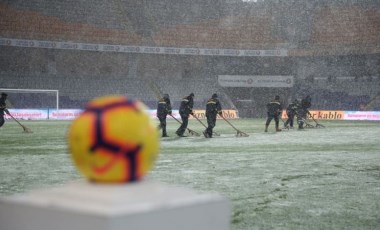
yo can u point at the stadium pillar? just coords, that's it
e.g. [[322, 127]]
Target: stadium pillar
[[141, 206]]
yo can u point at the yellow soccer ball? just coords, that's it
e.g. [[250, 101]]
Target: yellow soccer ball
[[114, 140]]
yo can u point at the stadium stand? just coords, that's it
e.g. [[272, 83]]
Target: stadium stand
[[373, 104], [15, 23], [334, 41], [236, 32], [344, 26]]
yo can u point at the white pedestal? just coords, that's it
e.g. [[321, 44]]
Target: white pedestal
[[138, 206]]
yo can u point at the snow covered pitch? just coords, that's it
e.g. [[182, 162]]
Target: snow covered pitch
[[315, 179]]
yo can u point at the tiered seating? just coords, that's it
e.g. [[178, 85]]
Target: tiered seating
[[374, 103], [339, 94], [81, 75], [28, 24], [346, 26], [226, 33], [328, 100]]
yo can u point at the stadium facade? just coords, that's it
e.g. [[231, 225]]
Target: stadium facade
[[87, 49]]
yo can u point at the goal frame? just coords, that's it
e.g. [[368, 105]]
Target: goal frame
[[55, 91]]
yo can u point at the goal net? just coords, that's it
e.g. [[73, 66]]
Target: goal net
[[32, 98]]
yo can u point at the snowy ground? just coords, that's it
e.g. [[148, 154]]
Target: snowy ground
[[314, 179]]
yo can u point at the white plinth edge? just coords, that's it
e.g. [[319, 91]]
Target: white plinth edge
[[138, 206]]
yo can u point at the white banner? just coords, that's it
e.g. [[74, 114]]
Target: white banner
[[64, 114], [138, 49], [175, 113], [362, 115], [71, 114], [28, 114], [255, 81]]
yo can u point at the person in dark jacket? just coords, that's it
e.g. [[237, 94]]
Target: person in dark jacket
[[303, 111], [291, 111], [185, 109], [164, 108], [213, 108], [3, 108], [274, 110]]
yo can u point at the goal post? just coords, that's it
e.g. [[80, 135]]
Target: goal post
[[33, 91]]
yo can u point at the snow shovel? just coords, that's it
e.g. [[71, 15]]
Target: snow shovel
[[26, 129], [192, 132], [216, 134], [239, 133], [317, 125]]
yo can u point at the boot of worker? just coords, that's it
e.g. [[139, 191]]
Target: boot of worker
[[300, 125], [278, 129], [164, 134], [266, 128]]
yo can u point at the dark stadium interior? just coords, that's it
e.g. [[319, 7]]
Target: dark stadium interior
[[333, 51]]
